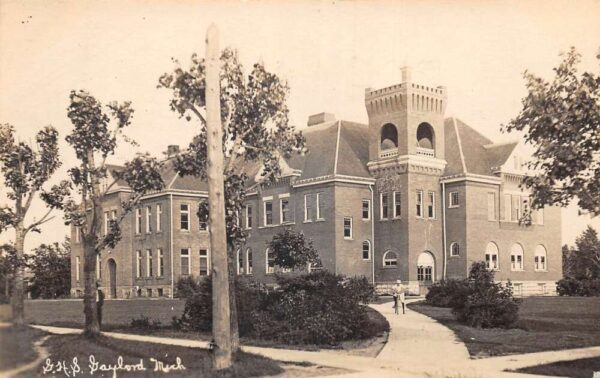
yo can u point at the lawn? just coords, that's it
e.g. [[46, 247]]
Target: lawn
[[583, 368], [545, 323], [117, 315], [16, 345]]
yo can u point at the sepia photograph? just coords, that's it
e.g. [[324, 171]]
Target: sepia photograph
[[311, 188]]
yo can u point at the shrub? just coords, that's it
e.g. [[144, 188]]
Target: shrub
[[578, 287], [488, 304], [448, 293], [197, 313], [186, 287], [143, 322], [315, 308]]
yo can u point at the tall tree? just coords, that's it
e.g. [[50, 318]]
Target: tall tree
[[50, 267], [256, 131], [94, 138], [584, 258], [561, 120], [26, 170]]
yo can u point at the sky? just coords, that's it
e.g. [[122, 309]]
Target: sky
[[328, 52]]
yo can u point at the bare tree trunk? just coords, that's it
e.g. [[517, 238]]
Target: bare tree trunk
[[216, 201], [92, 327], [235, 331], [18, 294]]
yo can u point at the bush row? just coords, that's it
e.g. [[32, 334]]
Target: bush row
[[578, 287], [314, 308]]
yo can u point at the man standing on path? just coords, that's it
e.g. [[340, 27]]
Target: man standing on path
[[399, 294]]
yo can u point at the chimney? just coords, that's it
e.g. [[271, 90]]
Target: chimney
[[317, 119], [406, 74], [172, 150]]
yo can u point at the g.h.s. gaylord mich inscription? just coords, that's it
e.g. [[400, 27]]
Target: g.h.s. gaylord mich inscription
[[73, 368]]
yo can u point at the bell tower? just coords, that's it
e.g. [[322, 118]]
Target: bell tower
[[406, 119]]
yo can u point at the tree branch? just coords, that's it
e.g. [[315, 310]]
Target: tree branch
[[43, 220], [197, 113]]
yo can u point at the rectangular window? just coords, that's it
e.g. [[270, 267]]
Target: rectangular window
[[507, 208], [516, 208], [161, 263], [160, 292], [149, 292], [185, 262], [366, 209], [518, 289], [491, 206], [98, 266], [431, 205], [516, 262], [366, 250], [424, 273], [138, 265], [284, 210], [77, 268], [158, 218], [491, 261], [138, 221], [397, 204], [308, 208], [384, 205], [149, 272], [319, 206], [106, 219], [348, 228], [184, 217], [240, 262], [248, 261], [453, 199], [268, 211], [419, 204], [248, 217], [204, 263], [148, 219], [270, 266]]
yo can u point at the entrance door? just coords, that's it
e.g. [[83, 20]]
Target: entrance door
[[425, 271], [112, 278]]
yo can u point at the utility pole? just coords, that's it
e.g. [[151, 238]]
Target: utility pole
[[216, 202]]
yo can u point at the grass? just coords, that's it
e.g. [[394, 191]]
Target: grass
[[545, 323], [117, 316], [16, 344], [105, 350], [582, 368]]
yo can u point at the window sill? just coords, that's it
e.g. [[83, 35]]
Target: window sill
[[517, 270], [390, 267], [454, 256], [307, 221], [180, 230], [348, 239], [320, 220], [288, 223], [453, 207], [383, 219], [365, 219], [540, 270]]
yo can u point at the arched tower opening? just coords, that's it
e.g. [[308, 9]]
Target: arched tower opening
[[389, 137], [425, 140]]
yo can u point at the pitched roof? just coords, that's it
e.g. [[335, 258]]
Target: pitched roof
[[338, 147], [468, 151]]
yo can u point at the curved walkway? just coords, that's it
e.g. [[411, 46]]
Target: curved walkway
[[418, 346]]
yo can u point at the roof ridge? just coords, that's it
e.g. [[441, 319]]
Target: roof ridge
[[460, 150], [337, 147], [499, 144]]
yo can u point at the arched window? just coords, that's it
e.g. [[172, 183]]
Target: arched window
[[270, 261], [249, 261], [540, 258], [240, 262], [425, 267], [491, 256], [516, 257], [454, 249], [390, 259], [389, 137], [366, 250], [425, 136]]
